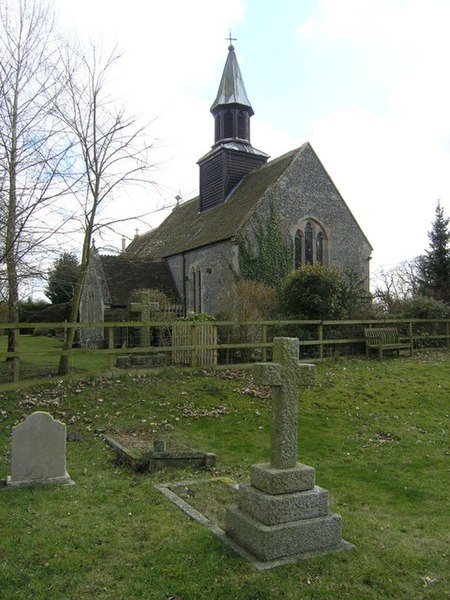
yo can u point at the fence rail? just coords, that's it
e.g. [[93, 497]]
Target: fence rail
[[38, 346]]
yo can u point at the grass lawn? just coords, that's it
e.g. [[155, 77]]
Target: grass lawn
[[40, 358], [376, 433]]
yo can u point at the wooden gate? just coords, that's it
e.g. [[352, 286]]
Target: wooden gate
[[199, 335]]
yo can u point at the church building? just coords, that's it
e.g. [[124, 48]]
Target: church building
[[245, 203], [203, 239]]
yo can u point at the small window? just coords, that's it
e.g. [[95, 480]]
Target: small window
[[192, 291], [308, 244], [90, 306], [298, 243], [241, 123], [228, 124], [198, 307], [319, 248]]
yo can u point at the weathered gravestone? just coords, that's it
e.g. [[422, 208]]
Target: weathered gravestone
[[38, 452], [282, 513]]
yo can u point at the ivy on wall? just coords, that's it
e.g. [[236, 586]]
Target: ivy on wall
[[273, 259]]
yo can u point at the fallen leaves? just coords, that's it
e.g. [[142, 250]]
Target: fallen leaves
[[379, 438], [255, 391], [190, 410], [427, 581]]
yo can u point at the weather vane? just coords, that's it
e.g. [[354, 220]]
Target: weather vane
[[231, 39]]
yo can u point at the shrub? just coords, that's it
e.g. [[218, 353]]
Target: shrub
[[249, 300], [312, 292], [421, 307], [198, 318]]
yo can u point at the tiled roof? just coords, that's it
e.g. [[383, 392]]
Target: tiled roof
[[125, 274], [185, 228]]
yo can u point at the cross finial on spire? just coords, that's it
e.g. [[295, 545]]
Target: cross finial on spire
[[231, 40]]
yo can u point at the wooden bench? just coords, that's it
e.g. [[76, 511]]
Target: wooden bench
[[385, 338]]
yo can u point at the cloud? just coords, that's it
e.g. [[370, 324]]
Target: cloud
[[390, 153]]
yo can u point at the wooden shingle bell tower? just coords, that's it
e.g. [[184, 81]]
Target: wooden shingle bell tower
[[232, 156]]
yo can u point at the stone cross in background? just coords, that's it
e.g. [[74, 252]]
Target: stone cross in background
[[146, 310], [285, 375]]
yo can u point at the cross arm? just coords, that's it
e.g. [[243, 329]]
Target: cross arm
[[268, 374]]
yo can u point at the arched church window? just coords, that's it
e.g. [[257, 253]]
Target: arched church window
[[241, 125], [309, 244], [298, 243], [319, 248], [228, 124]]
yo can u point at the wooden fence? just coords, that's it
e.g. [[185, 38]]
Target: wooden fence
[[206, 345]]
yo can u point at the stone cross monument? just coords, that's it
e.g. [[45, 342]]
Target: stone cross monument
[[282, 515], [285, 376]]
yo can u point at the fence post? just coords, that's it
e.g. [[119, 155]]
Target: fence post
[[411, 334], [112, 357], [16, 360], [264, 340], [321, 341]]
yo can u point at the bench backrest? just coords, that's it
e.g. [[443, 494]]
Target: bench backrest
[[385, 335]]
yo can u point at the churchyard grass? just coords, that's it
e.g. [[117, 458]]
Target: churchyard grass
[[40, 358], [376, 433]]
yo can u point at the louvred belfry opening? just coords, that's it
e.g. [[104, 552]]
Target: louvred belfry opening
[[232, 156]]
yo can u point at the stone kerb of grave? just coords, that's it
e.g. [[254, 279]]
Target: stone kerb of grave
[[282, 513], [38, 453]]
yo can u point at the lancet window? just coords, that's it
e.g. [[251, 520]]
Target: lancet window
[[310, 244]]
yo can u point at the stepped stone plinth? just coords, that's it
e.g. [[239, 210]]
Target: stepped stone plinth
[[282, 513]]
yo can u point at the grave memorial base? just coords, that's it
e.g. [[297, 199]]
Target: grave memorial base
[[63, 480], [272, 526]]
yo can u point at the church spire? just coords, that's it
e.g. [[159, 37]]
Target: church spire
[[232, 155], [231, 108], [231, 88]]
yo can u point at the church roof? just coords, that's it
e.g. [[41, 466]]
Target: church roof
[[231, 88], [124, 274], [185, 228]]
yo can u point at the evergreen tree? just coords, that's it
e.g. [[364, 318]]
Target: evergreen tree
[[434, 265], [62, 279]]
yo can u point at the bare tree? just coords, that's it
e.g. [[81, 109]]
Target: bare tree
[[397, 284], [31, 149], [111, 151]]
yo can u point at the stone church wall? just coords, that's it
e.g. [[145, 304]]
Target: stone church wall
[[210, 268], [306, 192]]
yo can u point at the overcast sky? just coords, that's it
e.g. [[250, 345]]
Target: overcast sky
[[364, 81]]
